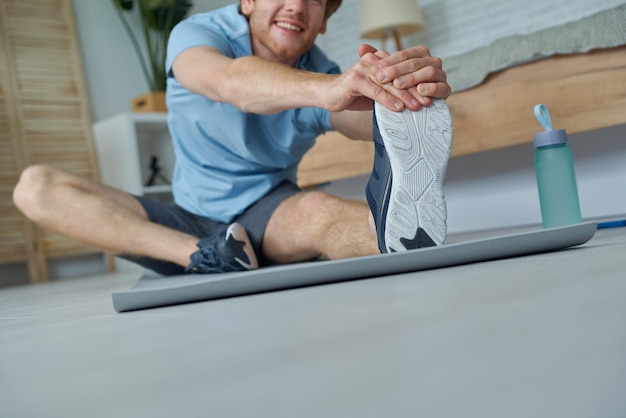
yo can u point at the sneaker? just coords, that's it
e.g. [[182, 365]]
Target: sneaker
[[226, 251], [405, 189]]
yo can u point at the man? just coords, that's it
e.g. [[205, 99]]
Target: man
[[248, 92]]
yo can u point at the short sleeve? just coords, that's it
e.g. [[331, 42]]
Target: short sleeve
[[224, 29]]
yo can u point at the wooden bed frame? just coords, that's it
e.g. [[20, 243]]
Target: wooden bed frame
[[582, 91]]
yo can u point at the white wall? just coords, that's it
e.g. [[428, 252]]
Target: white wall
[[112, 70]]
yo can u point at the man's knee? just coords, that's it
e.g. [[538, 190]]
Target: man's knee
[[29, 193], [317, 204], [312, 210]]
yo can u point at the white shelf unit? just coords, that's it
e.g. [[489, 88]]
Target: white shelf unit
[[125, 144]]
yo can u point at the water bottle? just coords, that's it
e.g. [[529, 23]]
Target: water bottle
[[556, 179]]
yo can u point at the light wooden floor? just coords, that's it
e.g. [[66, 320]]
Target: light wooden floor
[[541, 335]]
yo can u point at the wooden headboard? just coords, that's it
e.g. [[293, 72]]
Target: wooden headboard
[[582, 91]]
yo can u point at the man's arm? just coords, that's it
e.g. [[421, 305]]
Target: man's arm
[[354, 125], [415, 70], [249, 83], [253, 84]]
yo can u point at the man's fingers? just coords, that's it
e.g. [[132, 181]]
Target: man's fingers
[[373, 57], [379, 94], [413, 67], [440, 90], [390, 96], [366, 49], [425, 74], [402, 56]]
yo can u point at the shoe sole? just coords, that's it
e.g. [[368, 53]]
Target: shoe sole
[[418, 147]]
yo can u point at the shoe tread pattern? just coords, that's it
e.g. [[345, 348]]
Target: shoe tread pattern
[[418, 146]]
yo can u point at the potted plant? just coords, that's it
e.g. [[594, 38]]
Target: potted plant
[[157, 18]]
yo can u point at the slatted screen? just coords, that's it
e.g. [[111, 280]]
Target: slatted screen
[[44, 105]]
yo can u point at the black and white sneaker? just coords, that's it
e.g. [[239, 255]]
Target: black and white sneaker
[[405, 189], [227, 251]]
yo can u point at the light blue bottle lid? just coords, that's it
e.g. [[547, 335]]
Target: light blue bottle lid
[[543, 139], [548, 137]]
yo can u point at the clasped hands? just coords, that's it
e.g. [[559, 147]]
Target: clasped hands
[[410, 79]]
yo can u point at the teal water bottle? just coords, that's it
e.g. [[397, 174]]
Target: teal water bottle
[[556, 178]]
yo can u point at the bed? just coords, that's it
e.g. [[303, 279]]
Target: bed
[[583, 90]]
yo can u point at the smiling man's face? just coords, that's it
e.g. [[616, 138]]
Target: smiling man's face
[[282, 30]]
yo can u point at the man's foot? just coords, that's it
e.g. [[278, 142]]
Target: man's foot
[[230, 250], [405, 189]]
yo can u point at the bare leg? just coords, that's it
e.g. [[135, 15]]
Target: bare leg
[[317, 225], [97, 215]]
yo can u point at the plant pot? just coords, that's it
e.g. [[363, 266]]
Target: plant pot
[[149, 102]]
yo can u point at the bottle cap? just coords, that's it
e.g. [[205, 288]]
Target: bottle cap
[[543, 139], [549, 137]]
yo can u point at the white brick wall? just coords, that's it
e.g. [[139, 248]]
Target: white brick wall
[[342, 38]]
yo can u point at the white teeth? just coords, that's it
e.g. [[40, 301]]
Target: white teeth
[[289, 26]]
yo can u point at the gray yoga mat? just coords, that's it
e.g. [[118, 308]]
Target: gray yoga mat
[[153, 291]]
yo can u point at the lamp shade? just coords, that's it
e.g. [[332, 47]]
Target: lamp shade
[[379, 17]]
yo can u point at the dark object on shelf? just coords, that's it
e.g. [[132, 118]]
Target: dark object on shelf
[[155, 173]]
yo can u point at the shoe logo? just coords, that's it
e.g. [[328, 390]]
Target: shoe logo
[[238, 250]]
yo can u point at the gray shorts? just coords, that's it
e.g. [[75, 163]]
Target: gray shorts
[[254, 220]]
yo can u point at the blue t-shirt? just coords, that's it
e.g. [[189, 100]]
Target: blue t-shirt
[[227, 159]]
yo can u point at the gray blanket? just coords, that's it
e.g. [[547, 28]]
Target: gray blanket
[[602, 30]]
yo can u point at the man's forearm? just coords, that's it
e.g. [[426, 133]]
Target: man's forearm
[[250, 83], [260, 86]]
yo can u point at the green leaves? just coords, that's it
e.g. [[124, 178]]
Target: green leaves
[[124, 4], [158, 18]]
